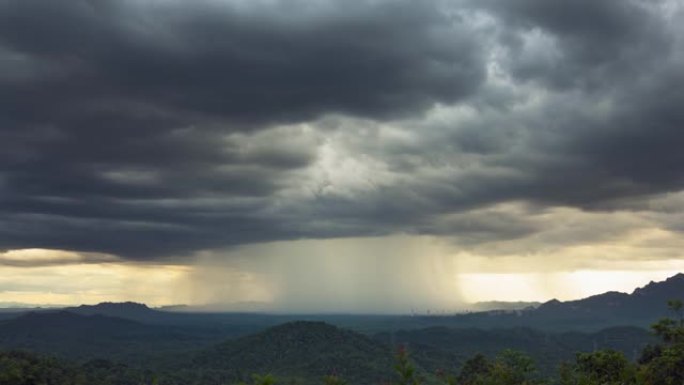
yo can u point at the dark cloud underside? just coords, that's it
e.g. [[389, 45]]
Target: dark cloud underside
[[148, 129]]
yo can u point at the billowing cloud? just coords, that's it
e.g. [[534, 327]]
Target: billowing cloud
[[127, 124], [152, 130], [581, 44]]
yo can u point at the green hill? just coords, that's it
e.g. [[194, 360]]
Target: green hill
[[302, 350], [448, 348], [84, 337]]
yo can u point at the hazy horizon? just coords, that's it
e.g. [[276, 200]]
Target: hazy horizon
[[269, 308]]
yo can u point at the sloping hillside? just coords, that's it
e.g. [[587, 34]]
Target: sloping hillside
[[307, 350], [446, 348], [75, 336]]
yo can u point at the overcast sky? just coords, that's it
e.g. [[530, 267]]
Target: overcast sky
[[356, 155]]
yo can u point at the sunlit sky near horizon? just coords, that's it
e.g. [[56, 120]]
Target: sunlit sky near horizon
[[328, 155]]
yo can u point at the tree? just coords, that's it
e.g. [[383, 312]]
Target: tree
[[664, 364], [405, 368], [333, 379], [475, 370], [513, 368], [603, 367], [509, 368]]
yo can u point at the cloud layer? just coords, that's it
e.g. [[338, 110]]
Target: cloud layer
[[157, 129]]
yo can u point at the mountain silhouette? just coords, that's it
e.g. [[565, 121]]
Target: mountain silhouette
[[648, 302], [128, 310], [640, 308]]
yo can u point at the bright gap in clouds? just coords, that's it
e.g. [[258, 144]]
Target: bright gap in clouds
[[53, 277], [541, 287]]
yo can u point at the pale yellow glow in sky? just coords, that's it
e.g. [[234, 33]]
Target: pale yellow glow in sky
[[33, 257], [74, 284], [561, 285], [357, 273]]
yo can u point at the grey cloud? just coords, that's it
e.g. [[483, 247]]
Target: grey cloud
[[147, 129], [216, 62], [110, 107], [607, 78], [601, 151], [587, 44]]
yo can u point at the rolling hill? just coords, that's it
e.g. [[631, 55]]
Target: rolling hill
[[448, 348], [80, 337], [304, 350]]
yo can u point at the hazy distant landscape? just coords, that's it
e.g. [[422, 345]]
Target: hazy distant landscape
[[120, 343]]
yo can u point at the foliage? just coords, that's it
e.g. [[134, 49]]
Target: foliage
[[263, 380], [405, 368], [604, 367], [449, 348], [664, 364], [305, 353], [508, 368], [475, 370], [301, 350], [512, 368], [661, 364], [446, 378], [333, 379], [20, 368]]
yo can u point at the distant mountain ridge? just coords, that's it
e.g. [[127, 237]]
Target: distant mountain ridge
[[129, 310], [641, 308], [502, 305], [651, 298]]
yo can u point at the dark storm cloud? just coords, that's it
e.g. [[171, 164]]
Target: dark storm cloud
[[581, 44], [111, 108], [216, 61], [148, 129], [598, 128], [607, 126], [643, 143]]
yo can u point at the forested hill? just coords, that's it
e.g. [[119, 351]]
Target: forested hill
[[308, 350], [75, 336], [448, 348], [296, 352]]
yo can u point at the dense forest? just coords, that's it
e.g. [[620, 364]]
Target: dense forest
[[294, 353]]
